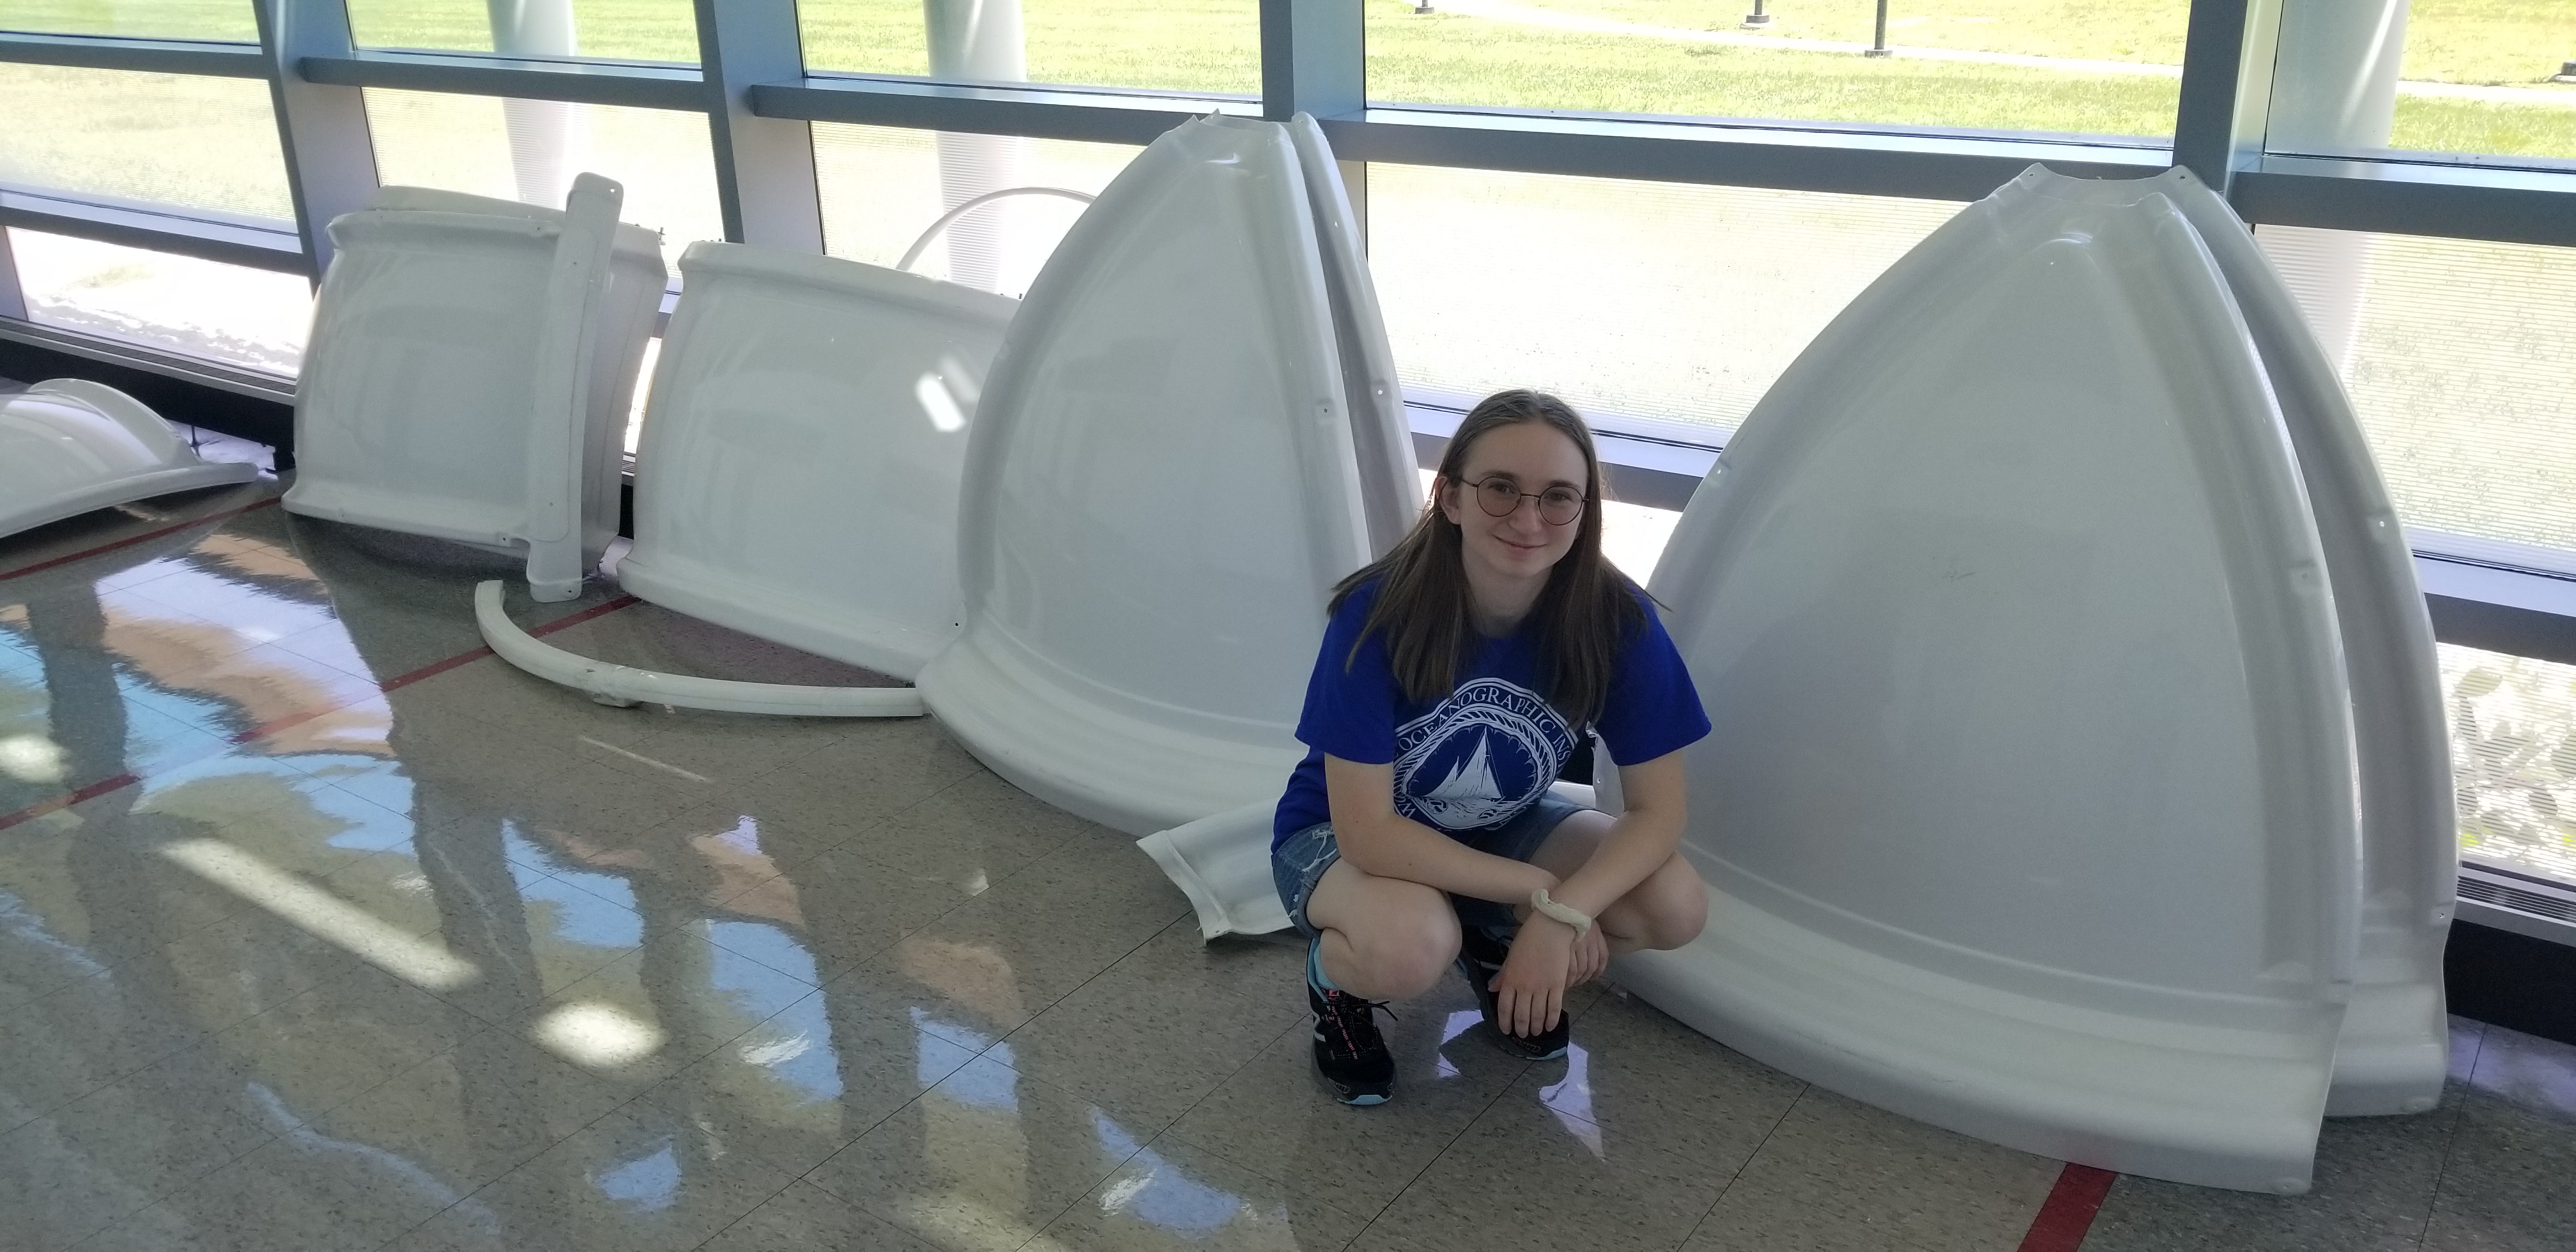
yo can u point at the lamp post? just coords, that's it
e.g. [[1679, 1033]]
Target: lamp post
[[1878, 46], [1757, 19]]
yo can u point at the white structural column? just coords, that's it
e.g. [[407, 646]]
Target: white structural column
[[2334, 90], [548, 138], [978, 41], [321, 127], [764, 165]]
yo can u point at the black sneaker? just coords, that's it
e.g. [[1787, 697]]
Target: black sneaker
[[1480, 957], [1347, 1047]]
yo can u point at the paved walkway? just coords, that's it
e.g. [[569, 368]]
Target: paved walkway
[[1530, 15]]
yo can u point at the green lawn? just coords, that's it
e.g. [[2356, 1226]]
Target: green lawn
[[1444, 58]]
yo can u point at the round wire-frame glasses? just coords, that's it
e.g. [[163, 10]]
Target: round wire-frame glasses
[[1499, 496]]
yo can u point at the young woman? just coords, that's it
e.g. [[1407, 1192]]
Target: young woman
[[1457, 676]]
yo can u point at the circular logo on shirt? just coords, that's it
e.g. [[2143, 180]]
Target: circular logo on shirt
[[1482, 756]]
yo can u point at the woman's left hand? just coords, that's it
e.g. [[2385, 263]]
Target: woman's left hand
[[1529, 993]]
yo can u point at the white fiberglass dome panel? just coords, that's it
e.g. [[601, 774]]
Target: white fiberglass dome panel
[[470, 370], [1160, 491], [799, 470], [2029, 807], [69, 445]]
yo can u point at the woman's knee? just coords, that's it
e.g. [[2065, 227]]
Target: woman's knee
[[1407, 949], [1667, 910]]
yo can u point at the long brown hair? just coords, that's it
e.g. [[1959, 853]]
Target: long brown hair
[[1585, 617]]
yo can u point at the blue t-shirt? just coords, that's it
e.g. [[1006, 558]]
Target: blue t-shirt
[[1475, 759]]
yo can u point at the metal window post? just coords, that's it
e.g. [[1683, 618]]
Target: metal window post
[[13, 298], [2226, 87], [1314, 60], [321, 129], [764, 165]]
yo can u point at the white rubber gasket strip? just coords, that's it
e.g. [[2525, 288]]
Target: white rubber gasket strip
[[624, 684]]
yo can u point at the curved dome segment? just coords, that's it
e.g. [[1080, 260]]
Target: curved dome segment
[[1390, 493], [69, 445], [2029, 809], [798, 476], [1160, 489], [470, 373], [2395, 1046]]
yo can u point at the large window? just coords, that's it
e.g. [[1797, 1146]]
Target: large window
[[636, 30], [1169, 45], [144, 19], [1658, 300], [529, 150], [2484, 77], [884, 188], [205, 143], [249, 318], [2004, 65], [2458, 358], [2513, 750]]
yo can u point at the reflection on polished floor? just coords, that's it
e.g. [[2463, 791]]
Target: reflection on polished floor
[[322, 929]]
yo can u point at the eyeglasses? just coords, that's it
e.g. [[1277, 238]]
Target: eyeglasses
[[1501, 497]]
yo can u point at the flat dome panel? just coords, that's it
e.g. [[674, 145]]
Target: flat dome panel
[[798, 476], [1161, 488], [2029, 805]]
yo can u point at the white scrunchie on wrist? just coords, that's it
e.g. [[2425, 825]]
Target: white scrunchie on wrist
[[1581, 923]]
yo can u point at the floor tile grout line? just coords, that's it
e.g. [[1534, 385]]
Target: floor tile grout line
[[1500, 1091], [497, 1179], [1220, 1085], [131, 540], [2442, 1168], [1749, 1157], [275, 1135]]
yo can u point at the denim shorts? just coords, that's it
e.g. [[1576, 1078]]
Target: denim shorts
[[1299, 863]]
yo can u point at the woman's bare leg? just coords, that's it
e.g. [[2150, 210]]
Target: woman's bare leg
[[1667, 910], [1384, 938]]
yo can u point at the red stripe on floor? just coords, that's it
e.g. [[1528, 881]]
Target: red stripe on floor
[[467, 658], [58, 803], [129, 540], [596, 610], [432, 670], [2067, 1216]]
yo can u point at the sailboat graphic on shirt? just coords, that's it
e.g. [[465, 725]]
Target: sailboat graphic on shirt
[[1492, 744], [1468, 796]]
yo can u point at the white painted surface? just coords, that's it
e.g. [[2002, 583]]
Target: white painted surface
[[2029, 811], [1160, 489], [470, 370], [798, 475], [1371, 391], [2395, 1047], [69, 445]]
